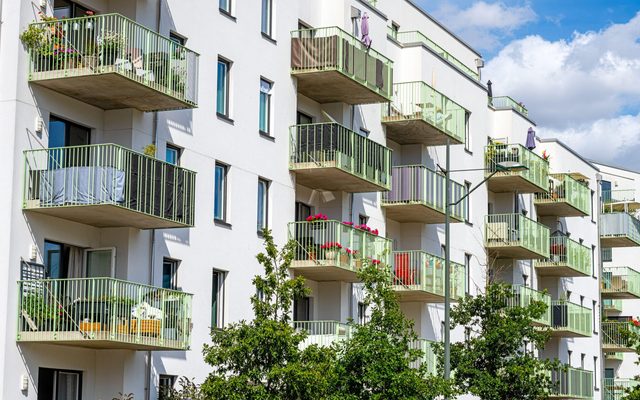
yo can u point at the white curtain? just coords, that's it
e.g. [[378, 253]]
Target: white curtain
[[76, 264]]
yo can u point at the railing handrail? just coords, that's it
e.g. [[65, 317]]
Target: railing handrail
[[351, 226], [489, 216], [422, 252], [515, 105], [292, 128], [521, 146], [107, 279], [423, 83]]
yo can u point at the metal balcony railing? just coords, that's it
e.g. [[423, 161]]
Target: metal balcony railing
[[565, 189], [537, 168], [612, 304], [323, 333], [565, 252], [516, 230], [507, 103], [617, 389], [620, 281], [524, 296], [619, 335], [571, 318], [574, 383], [620, 226], [428, 356], [420, 271]]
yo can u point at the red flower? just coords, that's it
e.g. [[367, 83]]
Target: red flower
[[347, 223], [375, 262]]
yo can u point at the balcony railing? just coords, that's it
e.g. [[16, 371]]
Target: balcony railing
[[410, 37], [507, 103], [333, 250], [612, 305], [419, 276], [417, 195], [617, 356], [334, 66], [571, 383], [617, 389], [567, 258], [570, 319], [107, 185], [534, 178], [323, 333], [524, 296], [428, 356], [566, 197], [103, 313], [515, 236], [620, 283], [619, 229], [619, 336], [623, 200], [84, 58], [331, 157], [420, 114]]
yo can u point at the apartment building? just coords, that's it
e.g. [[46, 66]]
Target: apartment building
[[151, 141]]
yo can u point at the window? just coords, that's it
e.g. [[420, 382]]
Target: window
[[165, 386], [267, 11], [582, 357], [172, 154], [363, 219], [302, 309], [225, 6], [217, 299], [302, 211], [606, 191], [176, 38], [220, 193], [170, 273], [395, 28], [263, 204], [594, 309], [595, 372], [303, 119], [467, 271], [63, 133], [364, 132], [607, 254], [69, 9], [467, 207], [593, 261], [362, 313], [58, 384], [467, 136], [222, 97], [443, 251], [593, 195], [265, 106]]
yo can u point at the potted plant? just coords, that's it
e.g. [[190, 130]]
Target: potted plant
[[317, 218], [331, 250], [110, 45], [311, 251], [344, 256]]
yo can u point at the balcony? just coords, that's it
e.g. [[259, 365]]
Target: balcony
[[507, 103], [614, 356], [612, 305], [107, 185], [568, 258], [515, 236], [419, 114], [566, 197], [322, 333], [524, 296], [329, 250], [570, 319], [332, 66], [533, 179], [428, 357], [111, 62], [620, 201], [618, 336], [328, 156], [417, 195], [619, 229], [620, 283], [103, 313], [616, 389], [419, 277], [571, 383]]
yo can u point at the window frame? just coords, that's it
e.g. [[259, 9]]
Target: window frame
[[467, 218], [467, 131], [55, 378], [218, 277], [175, 264], [265, 205], [268, 108], [224, 192], [172, 383], [178, 152], [177, 38], [226, 109], [269, 18], [228, 10], [467, 262]]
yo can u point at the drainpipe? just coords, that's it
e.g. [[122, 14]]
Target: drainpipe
[[598, 254]]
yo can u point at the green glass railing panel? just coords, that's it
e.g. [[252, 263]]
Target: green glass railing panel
[[333, 49], [323, 333], [112, 43], [523, 296], [564, 188], [572, 383], [618, 333], [618, 196], [325, 145], [614, 356], [566, 252], [617, 389], [537, 168], [621, 280], [103, 309], [507, 103], [516, 230], [410, 37], [316, 241], [417, 184], [567, 316], [418, 270], [612, 304], [428, 356], [110, 174], [419, 101], [620, 224]]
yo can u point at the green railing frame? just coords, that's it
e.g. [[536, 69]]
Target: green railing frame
[[57, 310], [523, 296], [571, 317], [616, 389], [507, 103], [565, 189], [418, 270], [410, 37], [620, 224], [311, 236], [147, 181], [113, 43], [620, 279], [428, 357], [502, 230], [323, 333], [324, 145], [618, 333], [569, 382], [612, 304], [567, 252], [417, 184], [418, 101], [537, 171], [333, 49]]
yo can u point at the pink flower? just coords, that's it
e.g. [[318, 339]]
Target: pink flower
[[347, 223], [375, 262]]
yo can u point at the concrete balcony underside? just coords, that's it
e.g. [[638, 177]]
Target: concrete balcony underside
[[566, 332], [619, 293], [416, 131], [323, 270], [506, 183], [557, 269], [331, 86], [557, 209], [515, 251], [99, 340], [617, 241], [617, 348], [415, 212], [327, 175], [417, 294]]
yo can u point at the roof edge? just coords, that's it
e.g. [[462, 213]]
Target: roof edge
[[570, 150]]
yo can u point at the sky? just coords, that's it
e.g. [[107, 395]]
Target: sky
[[575, 64]]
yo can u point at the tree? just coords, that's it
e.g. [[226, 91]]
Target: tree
[[261, 359], [494, 363], [375, 363], [632, 337]]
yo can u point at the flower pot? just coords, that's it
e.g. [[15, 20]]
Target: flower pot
[[344, 259], [330, 254], [358, 263], [312, 255]]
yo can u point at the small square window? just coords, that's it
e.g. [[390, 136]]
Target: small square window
[[172, 154], [177, 38], [170, 273]]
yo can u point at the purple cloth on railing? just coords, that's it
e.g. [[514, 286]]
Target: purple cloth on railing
[[364, 27], [81, 185], [531, 139]]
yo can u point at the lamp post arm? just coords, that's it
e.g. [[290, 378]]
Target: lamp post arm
[[474, 188]]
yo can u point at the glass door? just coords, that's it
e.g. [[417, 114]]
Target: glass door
[[100, 263]]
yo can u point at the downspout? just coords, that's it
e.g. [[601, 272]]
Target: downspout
[[598, 254]]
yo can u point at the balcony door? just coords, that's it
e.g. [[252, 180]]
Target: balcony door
[[63, 133], [100, 263], [69, 9]]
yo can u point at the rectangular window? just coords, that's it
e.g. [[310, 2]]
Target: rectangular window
[[58, 384], [302, 309], [363, 219], [593, 261], [172, 154], [265, 106], [263, 204], [170, 273], [595, 372], [220, 192], [362, 313], [593, 201], [222, 97], [467, 271], [217, 299], [177, 38], [467, 136], [467, 207], [63, 133], [594, 310], [395, 28], [225, 6], [165, 386], [607, 254], [267, 12]]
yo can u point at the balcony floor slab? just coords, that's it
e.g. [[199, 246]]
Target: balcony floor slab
[[323, 270], [617, 241], [327, 176], [557, 270], [515, 251], [99, 340], [416, 294], [331, 86], [511, 184], [557, 209], [416, 131], [414, 212]]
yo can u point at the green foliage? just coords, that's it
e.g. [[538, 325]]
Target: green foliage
[[633, 339], [34, 37], [188, 390], [493, 363]]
